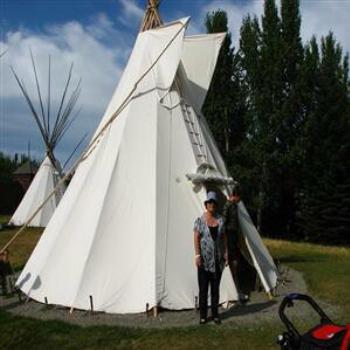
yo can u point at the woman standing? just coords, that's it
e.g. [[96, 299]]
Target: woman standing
[[210, 255]]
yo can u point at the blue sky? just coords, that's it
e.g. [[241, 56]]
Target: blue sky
[[38, 13], [97, 35]]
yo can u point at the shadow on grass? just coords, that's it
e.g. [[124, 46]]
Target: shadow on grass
[[300, 259], [11, 305], [8, 228], [242, 310]]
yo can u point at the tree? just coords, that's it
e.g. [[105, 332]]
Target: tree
[[325, 204], [291, 119], [222, 105], [290, 115], [262, 53], [10, 191]]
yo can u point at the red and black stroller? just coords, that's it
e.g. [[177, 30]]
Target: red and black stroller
[[326, 335]]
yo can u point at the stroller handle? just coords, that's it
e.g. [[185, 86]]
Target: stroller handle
[[289, 300]]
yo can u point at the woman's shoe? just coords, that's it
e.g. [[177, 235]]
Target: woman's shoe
[[203, 321]]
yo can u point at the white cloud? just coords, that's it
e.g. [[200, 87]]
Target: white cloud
[[98, 51], [318, 17], [131, 13]]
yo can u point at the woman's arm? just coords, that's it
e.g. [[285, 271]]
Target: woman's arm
[[197, 248]]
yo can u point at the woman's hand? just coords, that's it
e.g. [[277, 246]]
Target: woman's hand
[[198, 260]]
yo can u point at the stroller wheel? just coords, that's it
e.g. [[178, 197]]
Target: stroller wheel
[[286, 341]]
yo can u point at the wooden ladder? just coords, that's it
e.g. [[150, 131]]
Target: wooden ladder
[[194, 133]]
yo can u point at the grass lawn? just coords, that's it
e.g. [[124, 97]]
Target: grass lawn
[[22, 247], [4, 219], [325, 269]]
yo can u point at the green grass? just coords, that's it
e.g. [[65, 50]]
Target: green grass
[[326, 270], [22, 247], [4, 219], [21, 333]]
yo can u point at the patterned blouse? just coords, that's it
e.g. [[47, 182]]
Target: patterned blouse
[[212, 252]]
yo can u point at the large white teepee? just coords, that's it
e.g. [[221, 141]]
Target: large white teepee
[[123, 233], [52, 127]]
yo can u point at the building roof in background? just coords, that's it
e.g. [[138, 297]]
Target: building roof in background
[[28, 167]]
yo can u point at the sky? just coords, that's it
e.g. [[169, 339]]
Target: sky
[[97, 36]]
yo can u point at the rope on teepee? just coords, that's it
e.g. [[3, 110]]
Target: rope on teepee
[[92, 144]]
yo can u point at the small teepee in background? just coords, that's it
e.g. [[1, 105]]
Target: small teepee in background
[[52, 127], [123, 233]]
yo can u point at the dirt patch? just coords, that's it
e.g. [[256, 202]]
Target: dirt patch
[[257, 311]]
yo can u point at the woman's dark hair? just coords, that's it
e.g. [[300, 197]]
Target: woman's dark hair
[[206, 203]]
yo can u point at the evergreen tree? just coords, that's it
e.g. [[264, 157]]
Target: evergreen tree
[[291, 119], [10, 191], [248, 166], [327, 144], [293, 48], [222, 107], [262, 54]]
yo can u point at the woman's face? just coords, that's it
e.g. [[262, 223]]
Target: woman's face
[[211, 206]]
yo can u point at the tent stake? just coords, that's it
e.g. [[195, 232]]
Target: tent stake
[[46, 302], [91, 304], [155, 311], [71, 310]]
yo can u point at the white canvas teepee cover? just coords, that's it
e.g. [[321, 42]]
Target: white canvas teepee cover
[[123, 231], [43, 184]]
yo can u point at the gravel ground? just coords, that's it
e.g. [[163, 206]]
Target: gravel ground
[[257, 311]]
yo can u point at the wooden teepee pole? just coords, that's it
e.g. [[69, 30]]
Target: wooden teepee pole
[[151, 18]]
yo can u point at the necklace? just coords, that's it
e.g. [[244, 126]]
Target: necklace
[[210, 220]]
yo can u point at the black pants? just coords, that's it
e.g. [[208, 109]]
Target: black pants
[[204, 279]]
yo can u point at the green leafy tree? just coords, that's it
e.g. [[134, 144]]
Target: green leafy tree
[[262, 54], [222, 107], [325, 204], [290, 118], [286, 135]]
